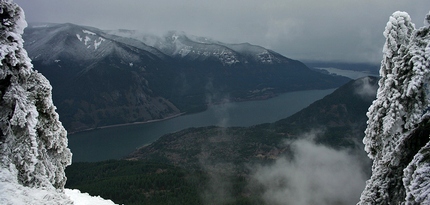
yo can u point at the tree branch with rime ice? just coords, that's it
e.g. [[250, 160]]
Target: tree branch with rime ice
[[397, 134], [33, 141]]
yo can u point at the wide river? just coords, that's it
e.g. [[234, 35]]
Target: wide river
[[117, 142]]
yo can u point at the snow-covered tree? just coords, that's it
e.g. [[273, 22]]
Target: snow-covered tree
[[398, 117], [33, 142], [385, 113]]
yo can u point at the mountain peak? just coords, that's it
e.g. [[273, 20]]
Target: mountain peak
[[174, 35], [154, 77], [83, 43], [65, 39], [179, 44]]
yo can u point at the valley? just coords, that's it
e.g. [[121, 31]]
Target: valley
[[208, 162], [93, 114], [228, 110], [118, 141], [101, 79]]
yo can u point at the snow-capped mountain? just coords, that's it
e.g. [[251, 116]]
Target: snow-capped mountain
[[180, 45], [83, 44], [97, 79], [110, 77]]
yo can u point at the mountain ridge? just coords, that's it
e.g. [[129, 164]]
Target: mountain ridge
[[175, 44], [102, 79]]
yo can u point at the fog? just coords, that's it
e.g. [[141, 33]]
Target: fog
[[316, 174], [365, 88]]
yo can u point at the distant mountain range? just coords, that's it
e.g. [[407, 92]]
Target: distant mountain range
[[103, 78]]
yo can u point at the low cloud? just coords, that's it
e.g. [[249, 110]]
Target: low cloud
[[365, 88], [316, 174], [219, 103], [219, 187]]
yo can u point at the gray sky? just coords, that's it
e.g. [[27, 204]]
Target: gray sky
[[340, 30]]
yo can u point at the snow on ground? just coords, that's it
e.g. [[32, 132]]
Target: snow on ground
[[12, 193], [85, 199], [88, 32]]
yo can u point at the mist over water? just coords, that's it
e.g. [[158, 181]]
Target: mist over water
[[117, 142]]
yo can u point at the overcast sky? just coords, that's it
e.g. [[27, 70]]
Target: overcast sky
[[330, 30]]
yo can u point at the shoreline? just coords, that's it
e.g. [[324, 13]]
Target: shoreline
[[237, 100], [127, 124]]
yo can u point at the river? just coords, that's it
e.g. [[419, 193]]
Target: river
[[117, 142]]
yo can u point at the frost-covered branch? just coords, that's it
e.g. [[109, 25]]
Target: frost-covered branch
[[402, 105], [32, 139]]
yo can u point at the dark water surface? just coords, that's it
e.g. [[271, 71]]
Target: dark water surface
[[117, 142]]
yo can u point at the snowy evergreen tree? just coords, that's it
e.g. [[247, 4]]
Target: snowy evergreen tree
[[386, 109], [398, 117], [33, 142], [417, 177]]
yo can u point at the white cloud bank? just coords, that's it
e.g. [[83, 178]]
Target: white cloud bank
[[316, 174], [365, 88]]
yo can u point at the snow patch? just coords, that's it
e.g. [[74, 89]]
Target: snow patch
[[79, 198], [79, 37], [227, 57], [175, 37], [97, 43], [88, 32], [87, 39], [11, 192], [265, 57], [184, 51]]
